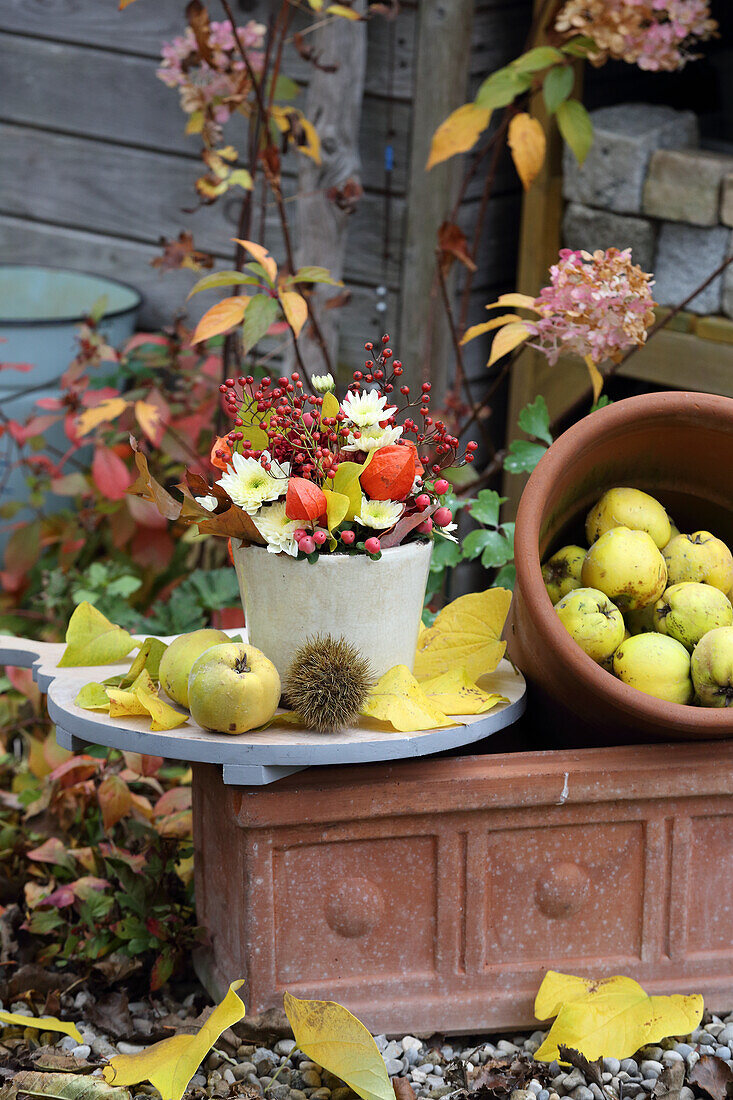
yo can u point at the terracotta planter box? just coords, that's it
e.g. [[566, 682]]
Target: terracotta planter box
[[432, 895]]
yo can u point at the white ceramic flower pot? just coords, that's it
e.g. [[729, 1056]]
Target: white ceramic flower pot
[[375, 605]]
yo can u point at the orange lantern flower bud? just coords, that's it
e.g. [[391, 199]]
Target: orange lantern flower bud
[[304, 500], [390, 474]]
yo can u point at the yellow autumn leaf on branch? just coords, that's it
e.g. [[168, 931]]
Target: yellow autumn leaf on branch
[[507, 339], [91, 639], [170, 1064], [527, 143], [329, 1035], [596, 378], [43, 1023], [259, 253], [488, 326], [515, 300], [295, 308], [400, 700], [611, 1018], [458, 133], [220, 318], [466, 634], [342, 10], [456, 693], [105, 410], [148, 417]]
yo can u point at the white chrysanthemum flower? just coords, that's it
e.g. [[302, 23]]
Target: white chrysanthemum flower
[[372, 438], [366, 409], [379, 513], [323, 383], [250, 486], [208, 502], [446, 532], [277, 530]]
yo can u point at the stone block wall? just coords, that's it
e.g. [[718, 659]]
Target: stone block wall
[[646, 184]]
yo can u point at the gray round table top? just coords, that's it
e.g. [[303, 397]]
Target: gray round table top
[[257, 756]]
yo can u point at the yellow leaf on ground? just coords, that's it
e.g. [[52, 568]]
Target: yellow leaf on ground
[[261, 255], [596, 378], [611, 1018], [170, 1064], [507, 339], [91, 639], [527, 142], [220, 318], [295, 309], [458, 133], [466, 634], [43, 1023], [400, 700], [487, 326], [336, 1040], [105, 410], [516, 301], [456, 693]]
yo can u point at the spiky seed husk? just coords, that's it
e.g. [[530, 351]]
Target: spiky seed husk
[[328, 683]]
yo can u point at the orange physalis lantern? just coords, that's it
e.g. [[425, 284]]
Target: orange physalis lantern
[[304, 500], [220, 445], [390, 474]]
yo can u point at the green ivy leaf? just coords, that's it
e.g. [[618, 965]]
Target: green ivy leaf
[[534, 419], [261, 313], [486, 508], [538, 58], [576, 127], [601, 403], [557, 86], [495, 547], [523, 456], [506, 577], [502, 87], [446, 555]]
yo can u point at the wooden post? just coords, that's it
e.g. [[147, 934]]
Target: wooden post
[[441, 78], [329, 191]]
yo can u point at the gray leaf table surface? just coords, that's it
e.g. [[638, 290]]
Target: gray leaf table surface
[[247, 759]]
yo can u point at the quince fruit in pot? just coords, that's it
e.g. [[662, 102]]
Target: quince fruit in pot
[[177, 661], [628, 508], [628, 566], [699, 557], [561, 572], [712, 668], [689, 610], [233, 688], [640, 620], [657, 665], [592, 621]]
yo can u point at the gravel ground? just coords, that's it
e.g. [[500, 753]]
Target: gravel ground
[[434, 1067]]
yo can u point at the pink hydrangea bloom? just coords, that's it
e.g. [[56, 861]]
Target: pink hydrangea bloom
[[597, 305]]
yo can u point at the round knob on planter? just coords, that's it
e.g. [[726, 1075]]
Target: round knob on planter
[[354, 908], [561, 890]]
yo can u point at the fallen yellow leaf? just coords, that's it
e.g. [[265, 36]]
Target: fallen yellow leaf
[[336, 1040], [458, 133], [399, 700], [43, 1023], [170, 1064], [124, 704], [611, 1018], [456, 693], [91, 639], [92, 697], [527, 142], [466, 634], [162, 716]]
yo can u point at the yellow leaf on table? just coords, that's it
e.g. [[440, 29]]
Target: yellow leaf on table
[[507, 339], [92, 697], [527, 142], [261, 255], [399, 699], [105, 410], [611, 1018], [170, 1064], [163, 716], [295, 309], [488, 326], [458, 133], [91, 639], [125, 704], [43, 1023], [336, 1040], [466, 634], [596, 378], [220, 318], [456, 693]]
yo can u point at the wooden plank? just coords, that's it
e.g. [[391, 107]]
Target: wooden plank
[[443, 36], [50, 89]]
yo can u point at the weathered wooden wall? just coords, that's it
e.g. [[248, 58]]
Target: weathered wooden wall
[[96, 167]]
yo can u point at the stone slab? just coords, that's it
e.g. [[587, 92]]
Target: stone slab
[[626, 135], [588, 228], [433, 895], [686, 256], [685, 185]]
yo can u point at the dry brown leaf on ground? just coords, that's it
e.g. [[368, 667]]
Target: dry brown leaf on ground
[[592, 1070], [670, 1081], [713, 1076]]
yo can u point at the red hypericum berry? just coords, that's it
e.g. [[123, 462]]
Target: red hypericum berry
[[358, 376], [426, 386], [472, 445], [369, 346], [387, 353], [385, 340], [373, 545], [405, 390], [229, 382], [423, 501], [443, 517], [347, 537], [469, 458], [425, 527], [319, 537], [307, 545], [441, 486], [424, 410], [222, 388]]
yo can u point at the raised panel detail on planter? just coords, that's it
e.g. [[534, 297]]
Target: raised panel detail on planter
[[334, 902], [564, 892], [709, 897]]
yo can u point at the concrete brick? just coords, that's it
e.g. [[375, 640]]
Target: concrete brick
[[685, 185], [584, 227], [625, 137], [726, 201], [686, 256]]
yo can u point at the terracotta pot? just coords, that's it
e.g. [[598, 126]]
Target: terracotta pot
[[679, 448], [375, 605]]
